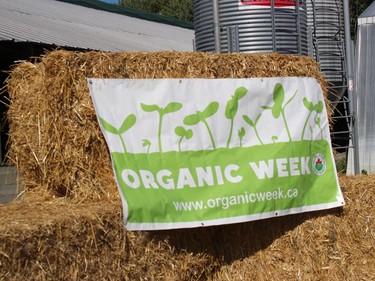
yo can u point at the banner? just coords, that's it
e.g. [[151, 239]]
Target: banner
[[200, 152]]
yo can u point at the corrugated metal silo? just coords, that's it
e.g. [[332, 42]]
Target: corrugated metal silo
[[260, 26], [326, 19]]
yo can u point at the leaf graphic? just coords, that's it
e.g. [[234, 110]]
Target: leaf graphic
[[248, 120], [232, 105], [192, 119], [276, 111], [257, 119], [308, 104], [240, 93], [210, 110], [180, 131], [172, 107], [189, 134], [253, 124], [150, 108], [278, 99], [146, 142], [231, 108], [241, 132], [278, 94], [128, 123], [290, 99], [266, 107], [318, 107], [108, 127]]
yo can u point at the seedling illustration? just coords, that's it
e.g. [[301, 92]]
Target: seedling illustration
[[275, 139], [126, 125], [241, 134], [183, 133], [317, 122], [232, 108], [253, 124], [278, 108], [171, 107], [318, 108], [146, 143], [194, 119]]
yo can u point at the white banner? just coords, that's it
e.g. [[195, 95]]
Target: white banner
[[198, 152]]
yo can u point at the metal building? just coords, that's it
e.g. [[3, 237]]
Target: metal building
[[364, 89], [29, 28], [94, 26]]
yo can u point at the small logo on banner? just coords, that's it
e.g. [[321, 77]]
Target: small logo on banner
[[319, 164]]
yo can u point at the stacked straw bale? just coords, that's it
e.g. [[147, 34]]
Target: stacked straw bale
[[54, 138], [57, 145], [58, 240]]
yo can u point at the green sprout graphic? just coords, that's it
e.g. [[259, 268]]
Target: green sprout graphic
[[126, 125], [194, 119], [318, 108], [317, 122], [253, 124], [183, 133], [241, 134], [232, 108], [275, 139], [146, 143], [171, 107], [278, 108]]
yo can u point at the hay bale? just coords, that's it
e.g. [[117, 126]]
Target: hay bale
[[54, 138], [334, 246], [58, 240]]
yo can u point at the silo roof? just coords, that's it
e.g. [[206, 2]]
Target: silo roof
[[368, 16], [67, 25]]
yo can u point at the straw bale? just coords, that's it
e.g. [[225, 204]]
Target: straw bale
[[58, 240], [337, 245], [54, 239], [54, 138]]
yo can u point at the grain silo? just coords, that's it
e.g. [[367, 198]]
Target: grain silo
[[326, 22], [251, 26], [317, 28]]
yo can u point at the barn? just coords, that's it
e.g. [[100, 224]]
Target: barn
[[365, 73], [30, 28]]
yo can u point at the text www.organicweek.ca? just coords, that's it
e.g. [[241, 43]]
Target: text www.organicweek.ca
[[226, 202]]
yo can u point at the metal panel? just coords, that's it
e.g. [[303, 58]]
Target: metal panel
[[326, 17], [62, 24], [204, 26], [365, 85], [9, 186], [261, 29]]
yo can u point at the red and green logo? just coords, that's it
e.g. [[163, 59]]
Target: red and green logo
[[319, 164]]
